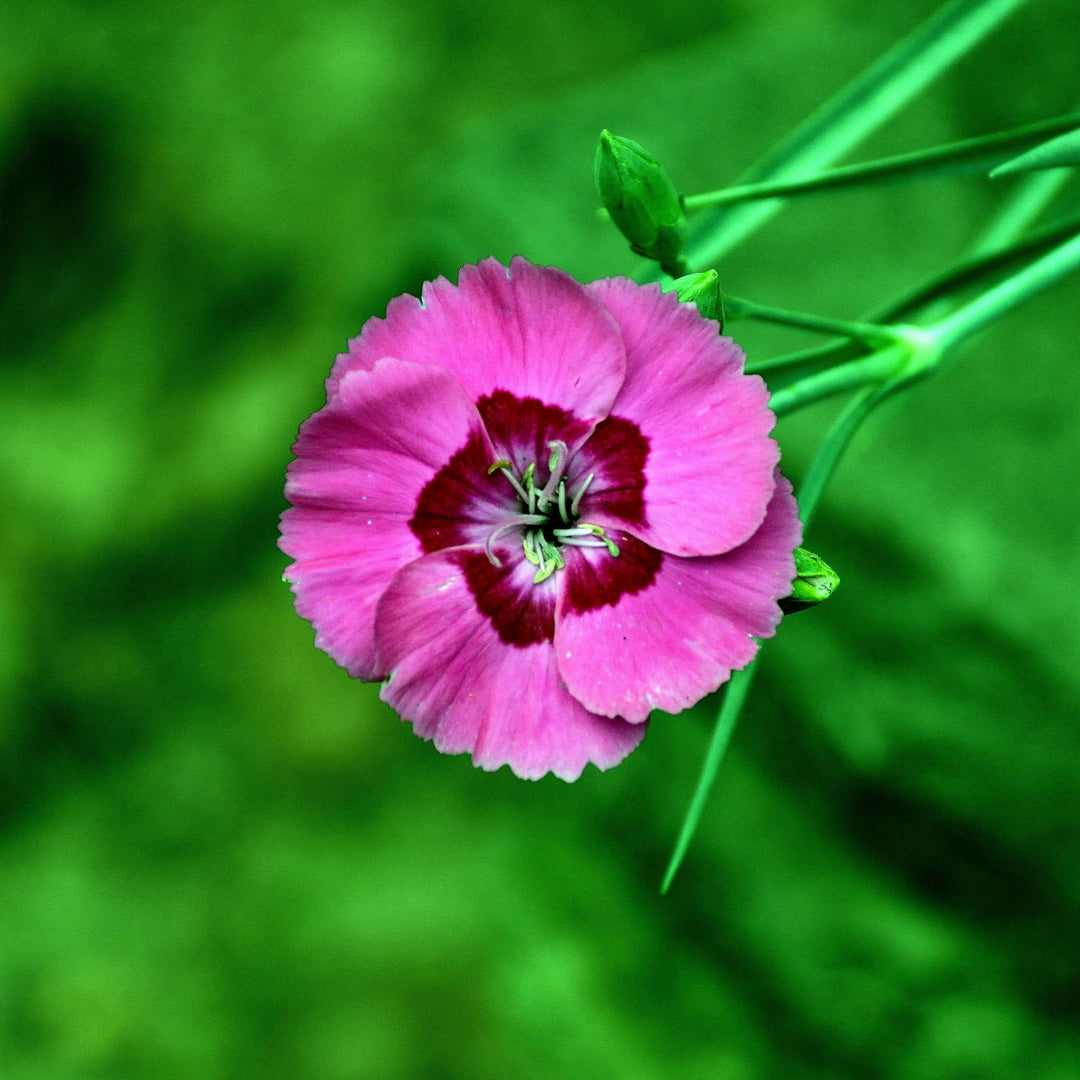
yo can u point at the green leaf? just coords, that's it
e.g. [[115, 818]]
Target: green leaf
[[1052, 154], [1020, 287], [857, 110], [734, 698], [966, 156]]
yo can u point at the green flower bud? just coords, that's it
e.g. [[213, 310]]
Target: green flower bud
[[815, 581], [641, 199], [702, 290]]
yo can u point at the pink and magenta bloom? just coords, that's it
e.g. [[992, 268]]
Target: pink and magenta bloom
[[536, 511]]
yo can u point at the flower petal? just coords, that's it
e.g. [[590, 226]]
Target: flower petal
[[709, 467], [460, 684], [532, 331], [666, 645], [361, 463]]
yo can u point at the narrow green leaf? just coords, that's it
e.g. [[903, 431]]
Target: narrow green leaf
[[863, 105], [966, 156], [734, 698], [1007, 294], [1053, 154], [834, 444]]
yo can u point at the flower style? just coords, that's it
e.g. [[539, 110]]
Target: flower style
[[538, 511]]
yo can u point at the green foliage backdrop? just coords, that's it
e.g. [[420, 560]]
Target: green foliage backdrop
[[220, 857]]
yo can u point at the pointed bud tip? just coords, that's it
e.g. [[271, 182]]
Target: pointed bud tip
[[815, 582], [703, 290], [640, 198]]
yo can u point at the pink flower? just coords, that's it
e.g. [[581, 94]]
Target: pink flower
[[539, 510]]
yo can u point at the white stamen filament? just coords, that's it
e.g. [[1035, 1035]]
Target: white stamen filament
[[541, 535], [508, 526], [556, 467]]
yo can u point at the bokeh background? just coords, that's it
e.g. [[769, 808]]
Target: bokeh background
[[222, 858]]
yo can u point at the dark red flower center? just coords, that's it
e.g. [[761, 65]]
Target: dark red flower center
[[537, 493]]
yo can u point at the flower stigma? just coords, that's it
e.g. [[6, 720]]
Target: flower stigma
[[548, 517]]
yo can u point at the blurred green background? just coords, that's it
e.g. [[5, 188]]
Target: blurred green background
[[221, 858]]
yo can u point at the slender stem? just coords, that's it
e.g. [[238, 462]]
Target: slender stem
[[968, 155], [735, 693], [898, 360], [873, 335], [788, 368], [852, 114], [834, 444], [781, 371], [1031, 197], [734, 696], [981, 270], [919, 350]]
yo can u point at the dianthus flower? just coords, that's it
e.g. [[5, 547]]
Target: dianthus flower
[[537, 511]]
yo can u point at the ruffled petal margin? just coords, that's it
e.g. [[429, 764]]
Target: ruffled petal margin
[[709, 468], [361, 463], [530, 330], [671, 643], [468, 691]]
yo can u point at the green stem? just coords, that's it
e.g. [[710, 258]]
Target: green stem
[[871, 334], [910, 353], [969, 155], [784, 370], [918, 350], [834, 444], [735, 693], [851, 115], [1031, 197]]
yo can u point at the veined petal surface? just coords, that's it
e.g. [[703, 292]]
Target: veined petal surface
[[463, 685], [531, 330], [709, 467], [361, 464], [667, 644]]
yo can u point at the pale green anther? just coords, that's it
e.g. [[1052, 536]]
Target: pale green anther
[[530, 553], [580, 536], [612, 547], [541, 536], [552, 560], [557, 448], [814, 582], [545, 572]]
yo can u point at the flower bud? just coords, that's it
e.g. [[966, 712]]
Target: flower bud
[[814, 581], [640, 198], [704, 291]]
